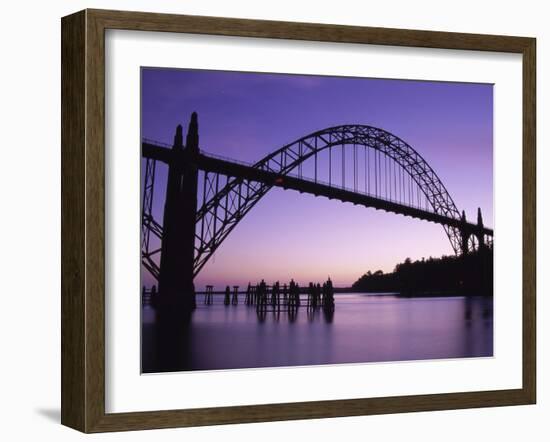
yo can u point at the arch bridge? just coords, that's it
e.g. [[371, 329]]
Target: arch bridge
[[207, 195]]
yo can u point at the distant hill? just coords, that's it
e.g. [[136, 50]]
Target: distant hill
[[470, 274]]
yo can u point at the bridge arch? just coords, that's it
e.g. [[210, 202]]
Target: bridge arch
[[290, 157]]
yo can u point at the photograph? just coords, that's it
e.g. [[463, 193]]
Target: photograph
[[303, 220]]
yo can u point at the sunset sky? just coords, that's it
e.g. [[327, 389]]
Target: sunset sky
[[287, 235]]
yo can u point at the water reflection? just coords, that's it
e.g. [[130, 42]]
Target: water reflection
[[361, 328]]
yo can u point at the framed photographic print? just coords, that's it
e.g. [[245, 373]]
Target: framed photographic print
[[270, 220]]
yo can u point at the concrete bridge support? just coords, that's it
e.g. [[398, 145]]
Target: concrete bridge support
[[480, 235], [176, 288], [468, 230], [464, 236]]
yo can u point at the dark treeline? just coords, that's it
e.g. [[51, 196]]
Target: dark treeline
[[469, 274]]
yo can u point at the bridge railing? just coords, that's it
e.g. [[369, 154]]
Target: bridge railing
[[155, 142], [224, 158]]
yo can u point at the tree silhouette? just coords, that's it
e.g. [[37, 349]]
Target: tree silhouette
[[468, 274]]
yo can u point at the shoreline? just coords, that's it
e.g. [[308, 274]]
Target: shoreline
[[424, 294], [420, 294]]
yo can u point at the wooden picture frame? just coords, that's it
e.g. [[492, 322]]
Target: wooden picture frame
[[83, 220]]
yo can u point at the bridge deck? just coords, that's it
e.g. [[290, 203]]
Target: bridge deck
[[241, 170]]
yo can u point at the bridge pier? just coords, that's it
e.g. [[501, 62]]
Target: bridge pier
[[480, 235], [464, 235], [176, 288], [466, 231]]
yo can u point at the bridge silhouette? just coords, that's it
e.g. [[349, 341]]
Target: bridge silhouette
[[354, 163]]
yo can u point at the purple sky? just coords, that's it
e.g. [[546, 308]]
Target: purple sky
[[245, 116]]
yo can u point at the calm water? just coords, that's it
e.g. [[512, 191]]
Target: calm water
[[363, 328]]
